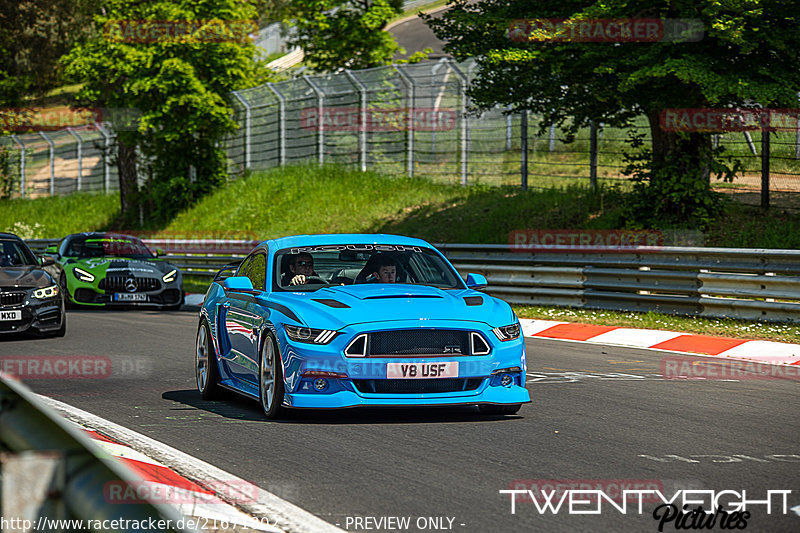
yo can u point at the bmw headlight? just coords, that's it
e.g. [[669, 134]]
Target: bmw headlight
[[310, 335], [507, 333], [82, 275], [170, 276], [46, 292]]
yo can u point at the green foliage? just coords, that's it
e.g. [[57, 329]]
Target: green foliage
[[57, 216], [748, 54], [8, 178], [180, 85], [343, 33], [33, 36]]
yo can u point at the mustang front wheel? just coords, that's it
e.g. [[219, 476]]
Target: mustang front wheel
[[270, 379], [205, 364]]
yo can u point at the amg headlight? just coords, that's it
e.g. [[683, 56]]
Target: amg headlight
[[46, 292], [170, 276], [507, 333], [82, 275], [310, 335]]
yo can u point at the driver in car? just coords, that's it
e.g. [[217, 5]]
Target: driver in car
[[385, 270], [300, 269]]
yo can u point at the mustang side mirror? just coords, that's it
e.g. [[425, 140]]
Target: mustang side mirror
[[238, 284], [46, 260], [476, 281]]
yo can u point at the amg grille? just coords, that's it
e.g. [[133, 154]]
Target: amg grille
[[118, 284], [416, 386], [419, 342], [12, 298]]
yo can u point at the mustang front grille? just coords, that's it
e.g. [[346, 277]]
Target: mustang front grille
[[418, 342], [123, 283], [416, 386], [11, 298]]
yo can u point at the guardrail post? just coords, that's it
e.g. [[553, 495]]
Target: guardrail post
[[21, 165], [410, 99], [362, 128], [552, 137], [52, 162], [508, 129], [464, 120], [79, 150], [593, 155], [281, 123], [106, 163], [246, 129], [320, 119]]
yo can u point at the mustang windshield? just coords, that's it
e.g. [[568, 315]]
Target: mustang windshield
[[313, 267], [13, 253], [86, 246]]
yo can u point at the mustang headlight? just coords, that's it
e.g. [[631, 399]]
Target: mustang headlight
[[507, 333], [46, 292], [310, 335], [170, 276], [82, 275]]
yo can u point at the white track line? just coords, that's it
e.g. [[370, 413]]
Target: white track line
[[277, 511]]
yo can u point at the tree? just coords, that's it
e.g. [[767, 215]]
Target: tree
[[344, 33], [748, 54], [33, 36], [176, 63]]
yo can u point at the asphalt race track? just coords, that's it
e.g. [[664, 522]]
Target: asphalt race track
[[599, 414]]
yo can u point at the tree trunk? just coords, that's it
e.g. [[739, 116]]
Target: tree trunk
[[690, 152], [128, 179]]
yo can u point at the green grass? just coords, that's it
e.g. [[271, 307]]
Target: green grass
[[57, 216], [740, 329]]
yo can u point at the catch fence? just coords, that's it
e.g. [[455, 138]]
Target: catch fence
[[406, 119]]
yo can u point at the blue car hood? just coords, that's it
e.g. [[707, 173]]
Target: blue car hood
[[337, 307]]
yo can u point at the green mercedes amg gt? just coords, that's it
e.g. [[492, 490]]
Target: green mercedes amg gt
[[108, 269]]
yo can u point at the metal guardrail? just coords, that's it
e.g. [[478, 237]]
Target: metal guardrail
[[749, 284], [55, 472]]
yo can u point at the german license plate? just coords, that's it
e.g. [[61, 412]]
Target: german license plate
[[7, 316], [130, 297], [422, 370]]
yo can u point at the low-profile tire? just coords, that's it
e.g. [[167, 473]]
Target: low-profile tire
[[205, 364], [62, 282], [270, 380], [493, 409]]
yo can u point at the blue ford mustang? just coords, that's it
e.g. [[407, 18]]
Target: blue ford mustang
[[332, 321]]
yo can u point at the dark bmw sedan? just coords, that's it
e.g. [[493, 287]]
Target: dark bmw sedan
[[30, 299]]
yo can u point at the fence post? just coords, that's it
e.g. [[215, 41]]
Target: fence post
[[80, 155], [797, 139], [281, 124], [362, 128], [52, 163], [21, 165], [435, 100], [552, 137], [750, 143], [523, 139], [320, 122], [593, 155], [410, 99], [464, 120], [106, 164], [246, 129], [508, 129], [765, 168]]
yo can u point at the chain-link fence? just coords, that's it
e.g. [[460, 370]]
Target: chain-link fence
[[408, 119], [48, 163]]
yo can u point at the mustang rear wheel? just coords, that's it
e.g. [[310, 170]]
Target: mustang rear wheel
[[206, 364], [492, 409], [270, 382]]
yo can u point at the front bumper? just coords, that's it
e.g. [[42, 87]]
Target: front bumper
[[41, 316], [357, 381]]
